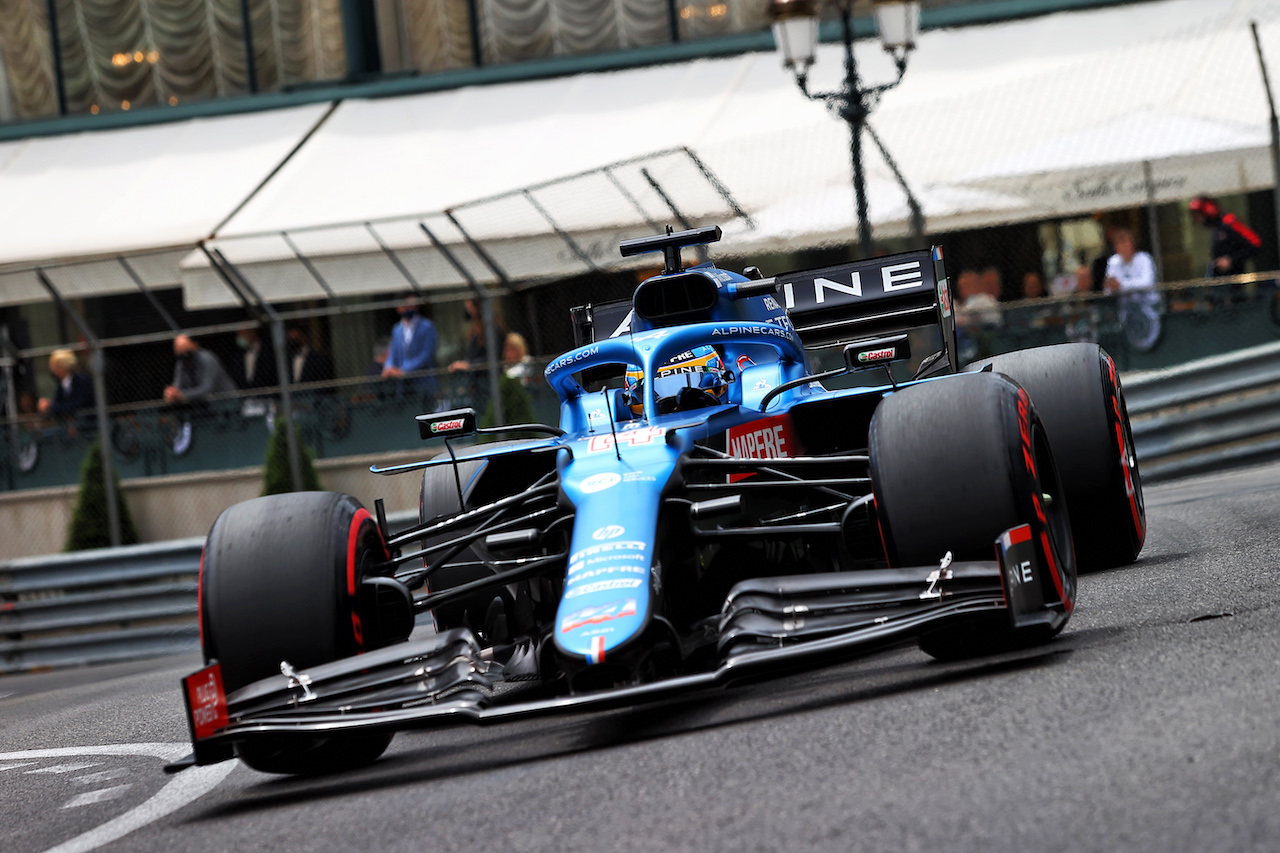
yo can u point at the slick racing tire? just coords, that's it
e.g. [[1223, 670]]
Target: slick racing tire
[[954, 463], [1076, 391], [278, 582]]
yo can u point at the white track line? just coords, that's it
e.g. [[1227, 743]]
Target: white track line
[[184, 788], [101, 776], [102, 795], [65, 768]]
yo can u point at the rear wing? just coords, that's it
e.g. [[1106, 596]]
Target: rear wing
[[870, 298], [834, 305]]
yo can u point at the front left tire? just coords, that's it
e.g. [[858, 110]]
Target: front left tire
[[278, 582]]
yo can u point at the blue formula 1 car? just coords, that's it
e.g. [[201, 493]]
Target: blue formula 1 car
[[707, 511]]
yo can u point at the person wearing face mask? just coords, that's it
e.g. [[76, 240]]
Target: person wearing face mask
[[412, 350], [255, 366], [197, 374], [306, 364]]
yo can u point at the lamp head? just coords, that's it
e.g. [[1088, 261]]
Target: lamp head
[[898, 22], [795, 29]]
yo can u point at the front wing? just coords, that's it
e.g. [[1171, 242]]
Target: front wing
[[769, 626]]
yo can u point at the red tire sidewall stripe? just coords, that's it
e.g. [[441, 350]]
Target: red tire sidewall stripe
[[884, 545], [358, 520], [1029, 459], [1117, 419]]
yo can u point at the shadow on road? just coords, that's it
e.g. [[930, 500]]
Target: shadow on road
[[530, 742]]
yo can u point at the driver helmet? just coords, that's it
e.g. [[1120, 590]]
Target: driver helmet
[[693, 379]]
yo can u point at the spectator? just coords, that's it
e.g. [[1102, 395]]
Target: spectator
[[378, 357], [1132, 274], [256, 368], [989, 283], [977, 306], [197, 374], [306, 364], [412, 348], [1233, 242], [1084, 279], [1032, 285], [516, 359], [517, 405], [1128, 269], [474, 346], [73, 392]]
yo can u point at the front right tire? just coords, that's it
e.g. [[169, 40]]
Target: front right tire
[[955, 462]]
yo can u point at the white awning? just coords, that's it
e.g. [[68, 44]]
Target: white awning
[[1045, 117], [1019, 121], [114, 191]]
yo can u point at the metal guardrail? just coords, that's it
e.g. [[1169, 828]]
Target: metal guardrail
[[105, 605], [115, 604], [98, 606], [1207, 414]]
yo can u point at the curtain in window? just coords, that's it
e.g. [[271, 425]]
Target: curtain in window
[[436, 34], [515, 30], [26, 61], [118, 54]]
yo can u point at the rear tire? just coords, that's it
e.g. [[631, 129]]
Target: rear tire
[[1076, 391], [955, 463], [278, 582]]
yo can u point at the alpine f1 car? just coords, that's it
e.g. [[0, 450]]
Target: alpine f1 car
[[706, 512]]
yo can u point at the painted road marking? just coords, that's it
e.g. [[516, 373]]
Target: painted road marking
[[65, 768], [184, 788], [88, 798], [101, 776]]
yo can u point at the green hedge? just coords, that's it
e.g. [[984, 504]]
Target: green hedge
[[276, 477], [90, 526]]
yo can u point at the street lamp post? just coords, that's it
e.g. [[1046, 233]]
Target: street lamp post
[[795, 28]]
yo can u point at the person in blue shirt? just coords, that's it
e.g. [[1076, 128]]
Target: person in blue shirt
[[412, 350]]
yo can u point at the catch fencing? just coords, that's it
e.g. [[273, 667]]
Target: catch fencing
[[126, 603]]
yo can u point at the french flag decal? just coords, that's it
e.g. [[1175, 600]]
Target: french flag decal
[[596, 655]]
